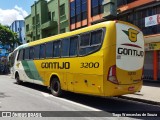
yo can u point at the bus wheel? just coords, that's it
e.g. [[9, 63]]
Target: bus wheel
[[55, 87], [18, 79]]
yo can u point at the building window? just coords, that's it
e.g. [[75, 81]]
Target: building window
[[124, 2], [15, 26], [27, 27], [62, 10], [72, 12], [33, 20], [84, 9], [37, 18], [78, 11], [62, 30], [53, 15], [49, 16], [96, 7]]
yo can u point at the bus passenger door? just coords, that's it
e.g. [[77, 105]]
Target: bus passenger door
[[70, 81]]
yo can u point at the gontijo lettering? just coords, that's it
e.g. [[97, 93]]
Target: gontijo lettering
[[55, 65], [132, 52]]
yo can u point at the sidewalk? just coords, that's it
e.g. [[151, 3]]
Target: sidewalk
[[150, 93]]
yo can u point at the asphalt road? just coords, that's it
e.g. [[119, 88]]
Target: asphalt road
[[31, 97]]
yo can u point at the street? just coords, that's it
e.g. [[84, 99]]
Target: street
[[31, 97]]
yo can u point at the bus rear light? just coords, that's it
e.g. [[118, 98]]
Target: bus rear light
[[131, 88], [112, 74], [116, 21]]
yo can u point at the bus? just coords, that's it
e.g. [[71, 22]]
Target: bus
[[105, 59]]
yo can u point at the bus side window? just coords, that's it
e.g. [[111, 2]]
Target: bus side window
[[96, 37], [26, 54], [36, 53], [85, 39], [73, 51], [20, 55], [90, 44], [31, 53], [65, 47], [42, 51], [13, 56], [56, 48], [11, 60], [49, 49], [84, 44]]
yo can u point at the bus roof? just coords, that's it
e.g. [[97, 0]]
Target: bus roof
[[70, 33]]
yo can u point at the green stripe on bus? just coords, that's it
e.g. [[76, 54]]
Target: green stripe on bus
[[31, 70]]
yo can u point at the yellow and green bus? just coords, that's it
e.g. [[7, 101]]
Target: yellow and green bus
[[105, 59]]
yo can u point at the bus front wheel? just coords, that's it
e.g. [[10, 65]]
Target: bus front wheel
[[18, 79], [55, 87]]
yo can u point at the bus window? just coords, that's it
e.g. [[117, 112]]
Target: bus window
[[73, 46], [85, 39], [88, 45], [96, 37], [65, 47], [26, 54], [56, 49], [42, 51], [20, 56], [36, 53], [31, 53], [49, 50]]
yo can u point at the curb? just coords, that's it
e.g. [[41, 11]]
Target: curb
[[140, 100]]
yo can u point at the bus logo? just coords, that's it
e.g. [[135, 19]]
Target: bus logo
[[132, 34], [17, 65]]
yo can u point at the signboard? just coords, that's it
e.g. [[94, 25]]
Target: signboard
[[152, 46], [152, 20]]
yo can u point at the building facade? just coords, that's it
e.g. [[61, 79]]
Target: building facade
[[88, 12], [18, 27], [47, 19]]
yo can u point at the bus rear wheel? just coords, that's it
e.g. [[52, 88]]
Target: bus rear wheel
[[18, 79], [55, 87]]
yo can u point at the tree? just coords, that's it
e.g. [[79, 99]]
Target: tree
[[8, 37]]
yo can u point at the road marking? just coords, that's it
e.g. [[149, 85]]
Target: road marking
[[65, 100]]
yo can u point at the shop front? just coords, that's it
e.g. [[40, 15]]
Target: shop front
[[152, 58]]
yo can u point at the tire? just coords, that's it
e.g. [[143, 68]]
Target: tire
[[18, 79], [55, 87]]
